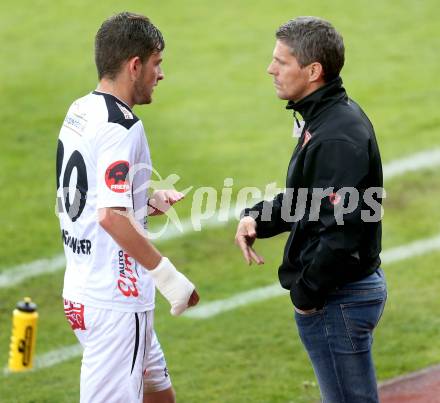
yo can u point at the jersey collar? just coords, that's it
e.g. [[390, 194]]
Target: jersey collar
[[96, 92]]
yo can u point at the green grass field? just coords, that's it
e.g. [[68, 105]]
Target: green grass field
[[215, 116]]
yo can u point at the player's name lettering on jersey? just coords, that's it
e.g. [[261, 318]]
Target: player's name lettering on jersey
[[127, 280], [79, 246]]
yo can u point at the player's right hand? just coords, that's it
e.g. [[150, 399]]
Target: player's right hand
[[161, 201], [174, 286], [245, 238]]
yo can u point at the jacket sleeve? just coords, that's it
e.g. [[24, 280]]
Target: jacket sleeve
[[340, 166], [268, 215]]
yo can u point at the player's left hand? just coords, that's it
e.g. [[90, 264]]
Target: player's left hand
[[174, 286], [161, 201]]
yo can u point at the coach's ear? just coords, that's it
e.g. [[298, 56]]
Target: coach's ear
[[316, 72]]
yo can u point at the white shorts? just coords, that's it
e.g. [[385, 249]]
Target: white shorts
[[122, 356]]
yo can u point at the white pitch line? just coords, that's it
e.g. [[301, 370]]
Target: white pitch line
[[210, 309], [410, 250], [17, 274], [56, 356], [214, 308], [24, 271], [53, 357], [415, 162]]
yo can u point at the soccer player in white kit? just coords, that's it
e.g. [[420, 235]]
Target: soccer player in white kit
[[103, 166]]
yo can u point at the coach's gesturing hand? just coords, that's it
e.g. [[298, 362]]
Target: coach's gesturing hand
[[174, 286], [245, 238]]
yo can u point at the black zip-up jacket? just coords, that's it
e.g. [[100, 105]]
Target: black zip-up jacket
[[337, 149]]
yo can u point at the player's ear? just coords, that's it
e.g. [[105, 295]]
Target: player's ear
[[134, 66], [316, 72]]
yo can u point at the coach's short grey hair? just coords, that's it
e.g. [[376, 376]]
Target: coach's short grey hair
[[312, 39]]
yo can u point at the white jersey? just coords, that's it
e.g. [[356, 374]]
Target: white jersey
[[100, 141]]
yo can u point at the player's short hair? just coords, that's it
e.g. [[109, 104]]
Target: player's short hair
[[121, 37], [312, 39]]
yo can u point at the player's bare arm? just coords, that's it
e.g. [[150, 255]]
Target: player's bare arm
[[172, 284]]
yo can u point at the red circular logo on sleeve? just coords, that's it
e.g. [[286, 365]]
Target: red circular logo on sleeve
[[334, 198], [116, 176]]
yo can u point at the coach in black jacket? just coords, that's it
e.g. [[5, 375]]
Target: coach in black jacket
[[332, 209]]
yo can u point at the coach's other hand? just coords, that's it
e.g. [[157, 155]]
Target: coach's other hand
[[174, 286], [245, 238]]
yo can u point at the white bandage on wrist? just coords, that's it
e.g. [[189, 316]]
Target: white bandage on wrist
[[173, 285]]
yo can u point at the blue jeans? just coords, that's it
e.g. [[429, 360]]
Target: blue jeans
[[338, 340]]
